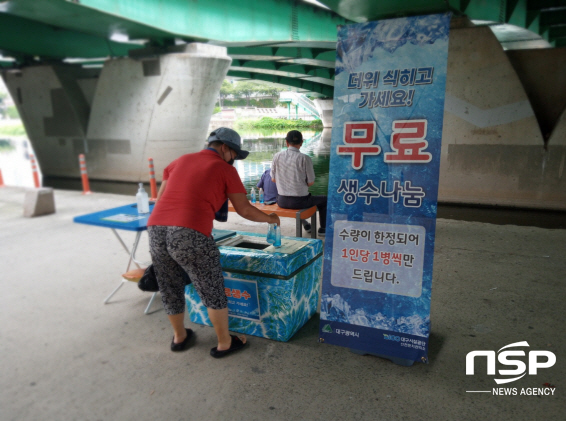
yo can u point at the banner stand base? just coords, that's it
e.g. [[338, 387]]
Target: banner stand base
[[399, 361]]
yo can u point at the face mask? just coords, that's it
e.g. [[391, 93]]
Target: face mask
[[231, 162]]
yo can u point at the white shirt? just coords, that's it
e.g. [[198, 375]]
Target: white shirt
[[292, 171]]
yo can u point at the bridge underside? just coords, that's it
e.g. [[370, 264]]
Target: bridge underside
[[105, 78], [280, 42]]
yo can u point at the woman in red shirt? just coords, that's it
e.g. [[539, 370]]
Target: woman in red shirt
[[194, 187]]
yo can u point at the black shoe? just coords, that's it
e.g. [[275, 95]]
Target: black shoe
[[307, 228], [183, 345], [234, 346], [322, 231]]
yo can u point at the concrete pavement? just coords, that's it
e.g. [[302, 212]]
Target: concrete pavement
[[64, 355]]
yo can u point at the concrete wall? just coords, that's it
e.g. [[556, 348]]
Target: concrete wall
[[325, 108], [493, 152]]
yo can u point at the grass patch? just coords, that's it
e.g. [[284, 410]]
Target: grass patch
[[13, 130], [5, 145], [277, 124]]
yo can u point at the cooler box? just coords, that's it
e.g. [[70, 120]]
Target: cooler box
[[272, 292]]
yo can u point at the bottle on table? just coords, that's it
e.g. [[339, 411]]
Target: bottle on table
[[142, 200], [277, 242], [270, 233], [260, 195], [253, 195]]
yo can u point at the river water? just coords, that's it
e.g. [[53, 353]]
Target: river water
[[15, 163], [264, 145], [16, 170]]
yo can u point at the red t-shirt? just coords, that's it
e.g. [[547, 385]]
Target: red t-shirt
[[197, 186]]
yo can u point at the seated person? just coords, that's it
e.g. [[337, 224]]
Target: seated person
[[268, 186], [294, 174]]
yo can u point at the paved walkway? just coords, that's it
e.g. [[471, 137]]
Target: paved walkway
[[66, 356]]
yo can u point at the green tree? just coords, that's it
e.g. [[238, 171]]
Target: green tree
[[225, 91], [271, 91], [12, 112], [3, 96], [246, 89]]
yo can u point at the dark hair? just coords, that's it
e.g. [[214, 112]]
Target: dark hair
[[294, 137]]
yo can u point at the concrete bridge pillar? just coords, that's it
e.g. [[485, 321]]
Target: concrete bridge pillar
[[325, 107], [155, 106], [54, 104]]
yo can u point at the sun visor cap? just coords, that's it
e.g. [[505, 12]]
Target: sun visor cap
[[231, 139]]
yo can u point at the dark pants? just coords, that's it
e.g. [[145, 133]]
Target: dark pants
[[303, 202]]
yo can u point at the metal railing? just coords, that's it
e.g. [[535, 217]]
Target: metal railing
[[301, 100]]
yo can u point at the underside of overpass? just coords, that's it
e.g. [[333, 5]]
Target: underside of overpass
[[116, 80], [283, 42]]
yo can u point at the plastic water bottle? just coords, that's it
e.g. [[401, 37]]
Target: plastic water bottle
[[143, 200], [260, 195], [253, 195], [270, 233], [277, 242]]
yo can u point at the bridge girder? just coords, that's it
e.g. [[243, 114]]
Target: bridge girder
[[538, 16], [315, 65], [301, 38], [243, 23], [305, 86], [27, 38], [323, 76], [272, 41]]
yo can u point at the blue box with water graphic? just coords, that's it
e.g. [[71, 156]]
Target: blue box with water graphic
[[272, 291]]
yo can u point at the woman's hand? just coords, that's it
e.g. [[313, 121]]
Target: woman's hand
[[274, 219], [246, 210]]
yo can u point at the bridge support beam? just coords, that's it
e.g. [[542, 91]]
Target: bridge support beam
[[54, 104], [493, 151], [156, 106], [325, 108]]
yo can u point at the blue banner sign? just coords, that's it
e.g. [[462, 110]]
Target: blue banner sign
[[243, 299], [383, 185]]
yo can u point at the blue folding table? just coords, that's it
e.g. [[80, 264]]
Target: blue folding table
[[127, 218], [121, 218]]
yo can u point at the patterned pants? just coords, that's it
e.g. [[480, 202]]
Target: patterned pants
[[174, 249]]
